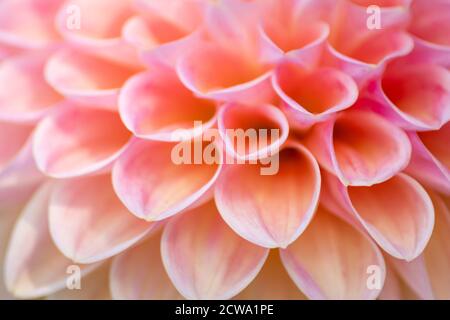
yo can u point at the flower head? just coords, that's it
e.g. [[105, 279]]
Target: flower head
[[259, 149]]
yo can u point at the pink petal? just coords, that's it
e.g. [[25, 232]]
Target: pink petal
[[13, 138], [154, 104], [270, 210], [89, 223], [428, 274], [8, 216], [431, 20], [363, 52], [369, 59], [33, 265], [397, 213], [100, 37], [153, 187], [205, 259], [82, 77], [301, 92], [295, 27], [76, 141], [162, 27], [20, 178], [437, 253], [94, 286], [235, 78], [430, 159], [415, 275], [413, 96], [31, 25], [272, 283], [235, 119], [361, 148], [331, 260], [138, 274], [432, 41], [24, 95]]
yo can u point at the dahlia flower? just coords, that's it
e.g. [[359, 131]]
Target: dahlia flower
[[355, 95]]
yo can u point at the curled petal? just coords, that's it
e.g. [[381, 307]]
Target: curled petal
[[94, 286], [78, 22], [205, 259], [428, 275], [235, 77], [24, 95], [265, 126], [430, 158], [34, 267], [82, 77], [413, 96], [431, 39], [270, 210], [163, 28], [153, 105], [88, 223], [77, 141], [138, 274], [272, 283], [295, 28], [31, 25], [397, 213], [8, 216], [359, 147], [301, 92], [153, 185], [437, 253], [368, 60], [332, 260]]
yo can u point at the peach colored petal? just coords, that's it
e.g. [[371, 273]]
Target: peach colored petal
[[205, 259], [272, 283], [138, 274], [270, 210], [154, 104], [394, 287], [437, 253], [98, 36], [235, 78], [24, 95], [331, 260], [413, 96], [28, 23], [301, 91], [82, 77], [8, 216], [360, 147], [295, 27], [33, 265], [430, 159], [162, 28], [20, 178], [13, 138], [76, 141], [237, 120], [428, 274], [153, 187], [94, 286], [88, 223], [415, 275], [431, 21], [368, 60], [397, 213]]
